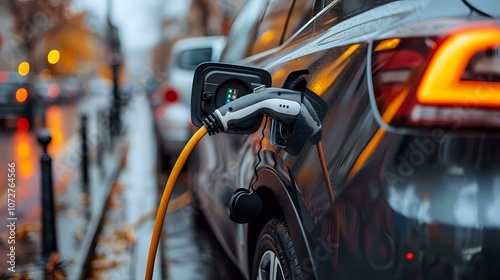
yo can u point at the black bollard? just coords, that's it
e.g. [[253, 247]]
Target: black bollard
[[115, 120], [49, 239], [115, 60], [85, 159], [100, 138]]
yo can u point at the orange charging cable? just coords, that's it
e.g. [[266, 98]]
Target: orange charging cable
[[165, 198]]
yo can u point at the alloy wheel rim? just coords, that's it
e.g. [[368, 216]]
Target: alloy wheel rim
[[270, 267]]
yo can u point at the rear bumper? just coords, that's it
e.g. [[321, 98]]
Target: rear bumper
[[174, 127], [434, 208]]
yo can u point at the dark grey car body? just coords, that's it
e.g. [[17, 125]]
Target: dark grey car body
[[388, 205]]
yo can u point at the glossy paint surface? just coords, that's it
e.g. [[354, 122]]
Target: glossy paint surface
[[409, 204]]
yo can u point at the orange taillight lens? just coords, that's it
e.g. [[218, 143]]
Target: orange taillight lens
[[442, 82], [450, 80]]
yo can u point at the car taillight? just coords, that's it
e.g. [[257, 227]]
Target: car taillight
[[452, 80], [21, 95], [171, 95], [23, 124]]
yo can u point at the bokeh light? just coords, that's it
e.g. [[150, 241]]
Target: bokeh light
[[21, 95], [45, 75], [24, 68], [53, 90], [53, 56], [4, 76], [23, 124]]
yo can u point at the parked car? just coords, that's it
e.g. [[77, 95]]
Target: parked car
[[16, 99], [410, 141], [260, 25], [171, 98], [59, 89]]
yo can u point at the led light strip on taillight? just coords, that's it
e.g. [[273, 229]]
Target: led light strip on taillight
[[418, 82], [441, 83]]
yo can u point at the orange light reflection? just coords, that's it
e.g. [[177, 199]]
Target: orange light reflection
[[387, 116], [22, 146], [332, 71], [54, 122]]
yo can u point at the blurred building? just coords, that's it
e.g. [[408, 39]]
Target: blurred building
[[35, 29]]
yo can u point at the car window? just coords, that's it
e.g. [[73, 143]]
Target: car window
[[340, 10], [242, 29], [270, 30], [190, 59], [301, 13]]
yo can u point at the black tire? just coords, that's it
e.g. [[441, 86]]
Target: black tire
[[275, 239]]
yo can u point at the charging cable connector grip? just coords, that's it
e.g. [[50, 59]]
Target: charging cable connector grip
[[280, 104], [311, 120]]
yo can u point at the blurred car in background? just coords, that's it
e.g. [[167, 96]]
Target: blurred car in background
[[172, 98], [410, 143], [59, 89], [260, 25], [16, 99]]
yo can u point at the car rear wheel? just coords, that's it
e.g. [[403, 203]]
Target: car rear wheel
[[275, 257]]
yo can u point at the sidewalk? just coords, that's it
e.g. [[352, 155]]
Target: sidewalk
[[78, 215], [122, 247]]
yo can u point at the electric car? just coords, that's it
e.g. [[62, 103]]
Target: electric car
[[409, 187]]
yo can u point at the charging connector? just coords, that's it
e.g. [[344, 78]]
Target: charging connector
[[280, 104]]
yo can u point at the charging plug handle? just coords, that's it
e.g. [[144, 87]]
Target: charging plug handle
[[280, 104]]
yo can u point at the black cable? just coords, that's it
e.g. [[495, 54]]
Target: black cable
[[258, 155]]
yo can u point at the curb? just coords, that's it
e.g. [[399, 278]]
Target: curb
[[82, 264]]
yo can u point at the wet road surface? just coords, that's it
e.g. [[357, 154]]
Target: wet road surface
[[191, 250], [21, 147]]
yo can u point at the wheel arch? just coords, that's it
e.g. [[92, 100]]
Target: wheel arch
[[278, 198]]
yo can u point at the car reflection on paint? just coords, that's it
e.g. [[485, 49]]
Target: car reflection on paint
[[410, 140]]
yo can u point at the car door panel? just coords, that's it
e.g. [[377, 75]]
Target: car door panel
[[337, 74], [237, 151]]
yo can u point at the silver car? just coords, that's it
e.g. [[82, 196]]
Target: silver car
[[172, 115]]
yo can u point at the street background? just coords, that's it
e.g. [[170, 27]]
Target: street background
[[103, 223]]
